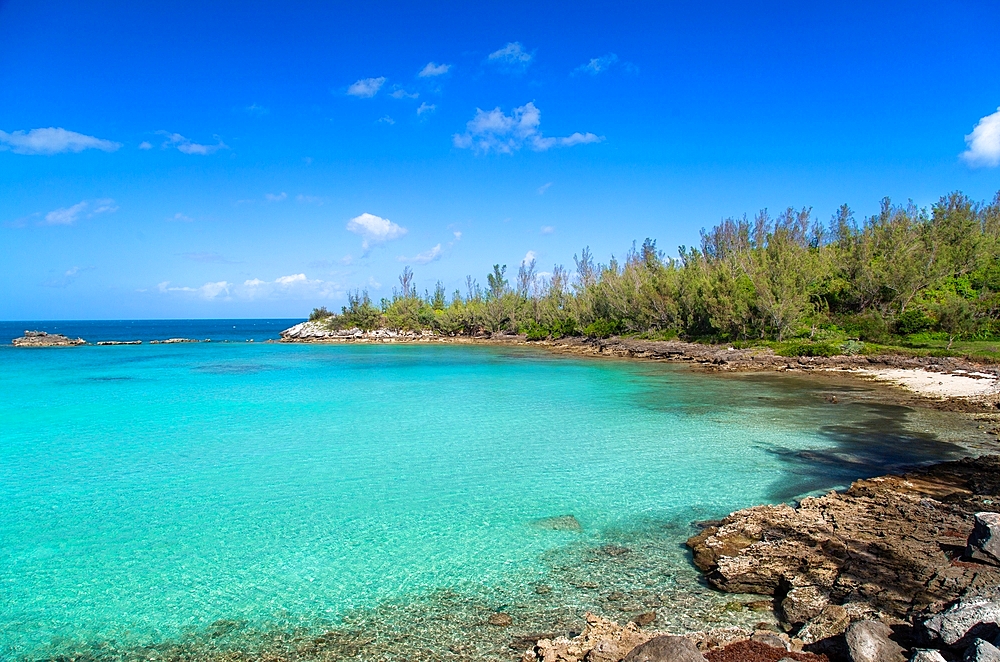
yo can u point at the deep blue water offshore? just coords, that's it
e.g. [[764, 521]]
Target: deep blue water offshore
[[195, 497]]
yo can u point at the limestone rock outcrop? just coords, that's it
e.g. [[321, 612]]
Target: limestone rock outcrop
[[43, 339]]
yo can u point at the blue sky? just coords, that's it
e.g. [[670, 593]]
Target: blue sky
[[218, 159]]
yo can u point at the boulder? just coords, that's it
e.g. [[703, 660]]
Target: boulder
[[868, 641], [830, 622], [982, 651], [666, 649], [984, 543], [803, 603], [964, 620], [927, 655]]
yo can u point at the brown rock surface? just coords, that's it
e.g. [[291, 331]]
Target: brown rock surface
[[43, 339], [892, 543]]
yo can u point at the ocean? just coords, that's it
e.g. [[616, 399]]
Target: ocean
[[380, 501]]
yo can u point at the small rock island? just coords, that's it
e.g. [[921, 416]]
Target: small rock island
[[43, 339]]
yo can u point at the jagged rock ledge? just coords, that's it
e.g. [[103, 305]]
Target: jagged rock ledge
[[318, 332], [43, 339], [103, 343]]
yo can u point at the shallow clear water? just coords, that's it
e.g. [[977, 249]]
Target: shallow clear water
[[217, 495]]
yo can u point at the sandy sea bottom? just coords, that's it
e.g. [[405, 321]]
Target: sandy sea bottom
[[329, 502]]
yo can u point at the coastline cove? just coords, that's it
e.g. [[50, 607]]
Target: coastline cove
[[336, 501]]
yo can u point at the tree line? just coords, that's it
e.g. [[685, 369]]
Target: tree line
[[900, 272]]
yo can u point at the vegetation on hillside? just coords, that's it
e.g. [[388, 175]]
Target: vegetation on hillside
[[903, 276]]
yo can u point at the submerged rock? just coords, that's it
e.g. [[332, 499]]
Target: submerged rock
[[501, 619], [560, 523], [43, 339], [984, 543]]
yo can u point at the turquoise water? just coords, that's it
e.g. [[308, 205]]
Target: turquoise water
[[199, 497]]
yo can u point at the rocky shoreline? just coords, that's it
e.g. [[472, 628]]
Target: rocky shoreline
[[43, 339], [895, 568]]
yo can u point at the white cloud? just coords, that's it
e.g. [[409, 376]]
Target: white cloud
[[291, 280], [374, 229], [256, 282], [597, 65], [258, 110], [84, 208], [495, 131], [185, 146], [182, 218], [425, 108], [385, 119], [984, 143], [528, 257], [145, 144], [543, 188], [511, 57], [52, 141], [400, 93], [547, 229], [433, 69], [426, 257], [366, 88], [271, 197], [457, 234]]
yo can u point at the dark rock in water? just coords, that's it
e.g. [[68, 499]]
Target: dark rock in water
[[666, 649], [542, 589], [614, 550], [501, 619], [645, 618], [526, 641], [982, 651], [963, 621], [984, 543], [171, 341], [43, 339], [561, 523], [868, 641]]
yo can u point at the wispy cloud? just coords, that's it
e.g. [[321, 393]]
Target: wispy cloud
[[430, 255], [257, 109], [181, 218], [425, 108], [984, 143], [597, 65], [82, 209], [385, 119], [292, 285], [495, 131], [275, 197], [366, 88], [400, 93], [547, 229], [374, 229], [543, 188], [432, 69], [186, 146], [512, 57], [52, 141], [68, 277], [312, 199], [212, 258], [145, 144], [211, 290]]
